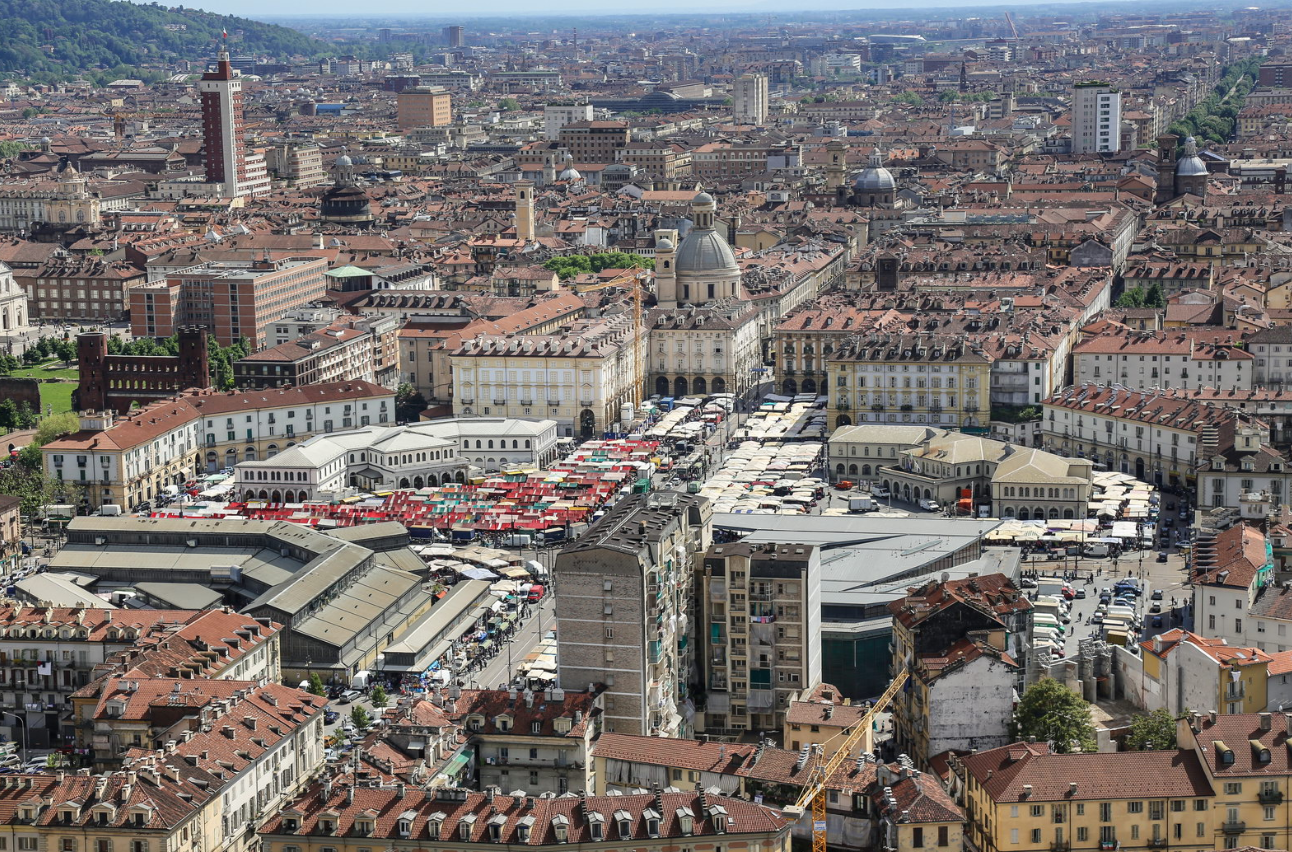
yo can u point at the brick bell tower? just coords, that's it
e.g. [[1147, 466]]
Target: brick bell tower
[[92, 368], [194, 359]]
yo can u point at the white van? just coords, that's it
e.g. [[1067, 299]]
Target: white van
[[1097, 549], [1041, 634], [1046, 620]]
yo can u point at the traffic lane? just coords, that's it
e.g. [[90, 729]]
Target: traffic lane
[[500, 670]]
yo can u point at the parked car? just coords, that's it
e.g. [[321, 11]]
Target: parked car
[[1157, 595], [349, 695], [1157, 621], [1027, 583], [844, 484], [1080, 594], [1156, 607], [879, 491], [330, 716], [1161, 556]]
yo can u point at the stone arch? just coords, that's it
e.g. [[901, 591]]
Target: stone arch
[[275, 496], [809, 386], [719, 385], [1067, 514], [418, 482], [661, 386], [839, 468], [403, 482], [679, 387], [271, 451], [588, 421], [852, 469], [865, 470], [789, 387], [249, 454], [1024, 514], [842, 420], [700, 387]]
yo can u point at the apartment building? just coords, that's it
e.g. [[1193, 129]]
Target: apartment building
[[749, 99], [1021, 797], [581, 378], [351, 349], [556, 116], [1160, 439], [1245, 760], [1181, 670], [525, 740], [234, 299], [910, 379], [625, 610], [298, 165], [964, 643], [1147, 360], [425, 347], [1096, 118], [594, 141], [130, 459], [262, 741], [423, 106], [1232, 568], [741, 158], [77, 288], [50, 654], [760, 606], [349, 818]]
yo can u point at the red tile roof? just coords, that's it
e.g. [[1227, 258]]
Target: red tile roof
[[1005, 773]]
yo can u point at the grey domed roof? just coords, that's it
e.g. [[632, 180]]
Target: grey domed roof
[[1190, 165], [875, 178], [704, 251], [702, 198], [664, 244], [344, 160], [571, 173]]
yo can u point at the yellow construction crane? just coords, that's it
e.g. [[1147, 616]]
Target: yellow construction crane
[[814, 793]]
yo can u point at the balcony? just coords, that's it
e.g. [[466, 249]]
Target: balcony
[[468, 401], [1060, 846], [1270, 797], [527, 402], [500, 402], [554, 403], [1157, 843], [586, 403], [1233, 827]]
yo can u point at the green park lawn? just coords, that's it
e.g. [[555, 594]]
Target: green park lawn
[[48, 370], [56, 397]]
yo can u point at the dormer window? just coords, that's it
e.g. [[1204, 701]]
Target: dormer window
[[625, 829], [404, 827], [598, 831], [327, 825], [434, 825], [561, 827], [652, 826], [475, 723], [687, 822], [290, 824], [536, 727], [503, 723], [464, 827], [522, 833]]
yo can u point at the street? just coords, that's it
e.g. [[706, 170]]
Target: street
[[499, 671]]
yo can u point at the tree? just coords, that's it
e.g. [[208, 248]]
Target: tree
[[1052, 713], [54, 760], [508, 104], [1132, 298], [316, 685], [56, 426], [409, 403], [360, 717], [1154, 730], [1155, 298], [66, 351], [378, 696], [8, 414]]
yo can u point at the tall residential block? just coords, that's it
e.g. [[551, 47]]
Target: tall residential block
[[623, 611], [1096, 118], [760, 610], [556, 116], [221, 92], [454, 36], [424, 106], [749, 99]]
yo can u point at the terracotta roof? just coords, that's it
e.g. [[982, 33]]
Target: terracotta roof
[[1004, 773], [436, 815]]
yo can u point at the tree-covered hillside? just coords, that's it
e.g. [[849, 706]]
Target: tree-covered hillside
[[55, 39]]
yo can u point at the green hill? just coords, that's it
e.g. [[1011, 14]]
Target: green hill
[[46, 40]]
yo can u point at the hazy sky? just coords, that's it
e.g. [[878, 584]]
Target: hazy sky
[[412, 8]]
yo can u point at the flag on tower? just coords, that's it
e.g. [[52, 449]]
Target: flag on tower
[[225, 33]]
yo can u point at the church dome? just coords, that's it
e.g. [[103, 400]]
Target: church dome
[[1190, 165], [704, 251], [664, 244], [570, 173], [875, 178]]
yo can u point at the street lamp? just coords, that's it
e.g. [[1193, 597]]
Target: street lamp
[[22, 722]]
